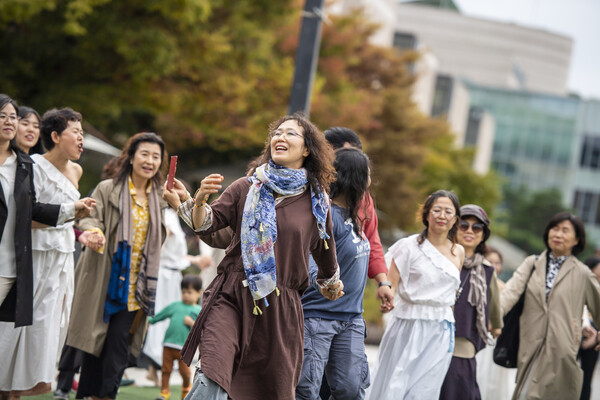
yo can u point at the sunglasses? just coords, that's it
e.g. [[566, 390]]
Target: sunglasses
[[476, 227]]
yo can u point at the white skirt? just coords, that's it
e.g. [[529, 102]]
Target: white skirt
[[495, 382], [30, 353], [414, 356]]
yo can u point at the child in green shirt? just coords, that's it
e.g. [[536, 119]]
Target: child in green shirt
[[182, 315]]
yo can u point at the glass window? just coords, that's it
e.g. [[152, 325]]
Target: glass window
[[405, 41]]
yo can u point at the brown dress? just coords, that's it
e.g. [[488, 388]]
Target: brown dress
[[259, 356]]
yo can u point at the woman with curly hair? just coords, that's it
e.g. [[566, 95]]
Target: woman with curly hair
[[417, 345], [250, 331]]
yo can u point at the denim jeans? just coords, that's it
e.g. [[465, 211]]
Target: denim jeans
[[336, 348], [204, 388]]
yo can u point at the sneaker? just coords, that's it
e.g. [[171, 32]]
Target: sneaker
[[60, 395], [163, 396]]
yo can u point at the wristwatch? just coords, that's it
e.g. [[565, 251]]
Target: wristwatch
[[385, 283]]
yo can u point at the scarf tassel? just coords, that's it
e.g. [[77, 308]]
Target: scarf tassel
[[257, 309], [326, 245]]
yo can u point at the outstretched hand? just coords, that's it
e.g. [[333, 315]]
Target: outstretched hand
[[84, 207]]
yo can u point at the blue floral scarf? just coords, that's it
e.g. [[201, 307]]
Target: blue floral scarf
[[259, 223]]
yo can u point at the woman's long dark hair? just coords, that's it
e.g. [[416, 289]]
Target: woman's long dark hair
[[426, 209], [352, 169], [318, 163], [124, 167]]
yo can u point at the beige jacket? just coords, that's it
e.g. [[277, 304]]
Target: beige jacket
[[87, 329], [550, 331]]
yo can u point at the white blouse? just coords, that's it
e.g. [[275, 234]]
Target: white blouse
[[428, 281], [8, 170], [51, 186]]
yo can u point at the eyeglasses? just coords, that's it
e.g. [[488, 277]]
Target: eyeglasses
[[4, 117], [289, 133], [476, 227], [447, 212]]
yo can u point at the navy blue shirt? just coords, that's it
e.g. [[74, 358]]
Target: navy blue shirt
[[352, 253]]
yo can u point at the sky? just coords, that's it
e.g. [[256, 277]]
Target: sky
[[577, 19]]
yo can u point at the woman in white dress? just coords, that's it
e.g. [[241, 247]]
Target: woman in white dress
[[32, 351], [417, 345]]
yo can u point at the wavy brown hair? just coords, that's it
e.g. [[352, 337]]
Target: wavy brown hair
[[425, 209], [318, 163], [123, 164]]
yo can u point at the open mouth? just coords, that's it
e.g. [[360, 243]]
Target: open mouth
[[29, 138], [80, 147]]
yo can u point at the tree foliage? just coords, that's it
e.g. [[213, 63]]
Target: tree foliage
[[368, 88], [210, 75], [526, 215]]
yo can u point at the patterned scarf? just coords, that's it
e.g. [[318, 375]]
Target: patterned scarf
[[554, 264], [259, 223], [477, 291]]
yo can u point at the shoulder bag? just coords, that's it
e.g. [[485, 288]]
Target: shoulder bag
[[507, 344]]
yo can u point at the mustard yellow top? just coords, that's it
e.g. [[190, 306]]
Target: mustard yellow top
[[141, 217]]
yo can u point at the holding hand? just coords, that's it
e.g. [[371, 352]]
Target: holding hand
[[92, 239], [386, 296], [177, 195], [333, 292], [589, 337], [83, 207]]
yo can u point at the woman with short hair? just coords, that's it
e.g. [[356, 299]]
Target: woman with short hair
[[557, 286]]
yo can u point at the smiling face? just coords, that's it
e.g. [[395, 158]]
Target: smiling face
[[28, 132], [146, 160], [562, 238], [470, 233], [70, 141], [287, 145], [8, 122], [442, 215]]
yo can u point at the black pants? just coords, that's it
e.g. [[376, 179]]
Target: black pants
[[101, 376], [461, 381], [70, 362], [588, 359]]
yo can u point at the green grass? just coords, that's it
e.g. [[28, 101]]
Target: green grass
[[128, 393]]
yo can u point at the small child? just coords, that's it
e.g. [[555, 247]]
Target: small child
[[182, 314]]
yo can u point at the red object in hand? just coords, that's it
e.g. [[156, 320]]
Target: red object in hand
[[172, 168]]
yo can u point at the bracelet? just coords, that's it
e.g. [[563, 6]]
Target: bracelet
[[195, 195], [385, 283]]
